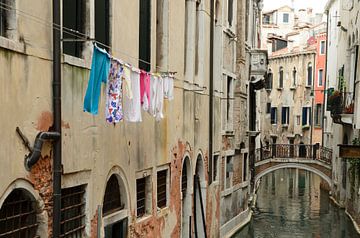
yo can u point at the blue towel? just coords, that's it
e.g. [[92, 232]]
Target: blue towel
[[99, 73]]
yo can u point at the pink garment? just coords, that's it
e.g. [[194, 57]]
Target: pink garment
[[145, 89]]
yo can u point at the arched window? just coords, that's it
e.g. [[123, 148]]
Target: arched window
[[281, 77], [112, 197], [294, 76], [309, 74], [18, 216]]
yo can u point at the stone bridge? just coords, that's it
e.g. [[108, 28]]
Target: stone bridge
[[313, 158]]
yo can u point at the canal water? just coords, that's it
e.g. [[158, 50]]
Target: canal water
[[292, 203]]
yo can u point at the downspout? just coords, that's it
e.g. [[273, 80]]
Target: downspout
[[325, 84], [35, 154], [211, 90], [57, 170]]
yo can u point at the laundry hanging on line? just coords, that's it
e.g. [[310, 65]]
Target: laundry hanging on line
[[128, 89]]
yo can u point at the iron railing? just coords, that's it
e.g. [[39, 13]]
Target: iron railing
[[297, 151]]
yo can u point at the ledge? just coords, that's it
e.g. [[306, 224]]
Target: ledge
[[78, 62], [12, 45]]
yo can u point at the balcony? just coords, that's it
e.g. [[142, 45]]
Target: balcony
[[341, 106]]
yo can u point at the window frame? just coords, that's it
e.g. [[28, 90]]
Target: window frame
[[167, 186], [145, 35], [285, 116], [288, 18], [147, 196], [273, 116], [107, 23], [307, 121], [322, 78], [322, 50], [281, 77], [228, 172], [310, 75]]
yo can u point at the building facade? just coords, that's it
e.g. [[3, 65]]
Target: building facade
[[342, 102], [146, 179]]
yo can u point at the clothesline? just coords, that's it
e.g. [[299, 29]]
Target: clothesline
[[128, 90]]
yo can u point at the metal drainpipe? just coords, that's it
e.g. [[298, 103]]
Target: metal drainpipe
[[57, 120], [325, 84], [211, 90]]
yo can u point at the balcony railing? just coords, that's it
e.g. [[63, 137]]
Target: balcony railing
[[295, 151], [341, 103]]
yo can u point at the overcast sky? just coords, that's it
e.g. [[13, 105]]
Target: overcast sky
[[317, 5]]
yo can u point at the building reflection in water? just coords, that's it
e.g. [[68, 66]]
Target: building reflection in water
[[292, 203]]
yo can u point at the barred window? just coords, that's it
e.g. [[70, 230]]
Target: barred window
[[73, 211], [18, 216], [143, 196], [112, 198], [162, 188]]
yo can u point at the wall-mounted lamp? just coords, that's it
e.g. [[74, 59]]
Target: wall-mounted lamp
[[341, 27]]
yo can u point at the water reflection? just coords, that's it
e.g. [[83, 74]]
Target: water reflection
[[291, 203]]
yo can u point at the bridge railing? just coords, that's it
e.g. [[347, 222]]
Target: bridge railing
[[300, 151]]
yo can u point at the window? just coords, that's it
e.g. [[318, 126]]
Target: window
[[229, 103], [273, 115], [7, 18], [269, 80], [162, 188], [281, 77], [318, 114], [286, 18], [285, 114], [306, 116], [228, 172], [322, 47], [74, 20], [268, 108], [245, 165], [18, 215], [309, 75], [266, 19], [215, 167], [230, 12], [320, 79], [143, 196], [112, 198], [145, 35], [3, 17], [102, 21], [73, 211], [294, 76]]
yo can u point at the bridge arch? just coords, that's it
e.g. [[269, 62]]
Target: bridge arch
[[294, 166]]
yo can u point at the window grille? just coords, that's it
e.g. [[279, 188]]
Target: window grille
[[161, 188], [18, 216], [141, 196], [184, 179], [73, 211], [112, 197]]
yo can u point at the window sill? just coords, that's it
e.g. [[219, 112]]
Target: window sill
[[308, 86], [12, 45], [268, 90], [74, 61], [163, 211], [227, 192], [285, 125], [306, 127], [292, 88], [280, 89], [143, 218]]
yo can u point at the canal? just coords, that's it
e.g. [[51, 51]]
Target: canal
[[292, 203]]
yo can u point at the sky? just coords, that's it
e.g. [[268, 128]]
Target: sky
[[317, 5]]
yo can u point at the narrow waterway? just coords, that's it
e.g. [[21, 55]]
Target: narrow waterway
[[292, 203]]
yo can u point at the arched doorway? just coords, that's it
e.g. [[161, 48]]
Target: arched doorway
[[186, 178], [114, 209], [199, 198], [18, 215]]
